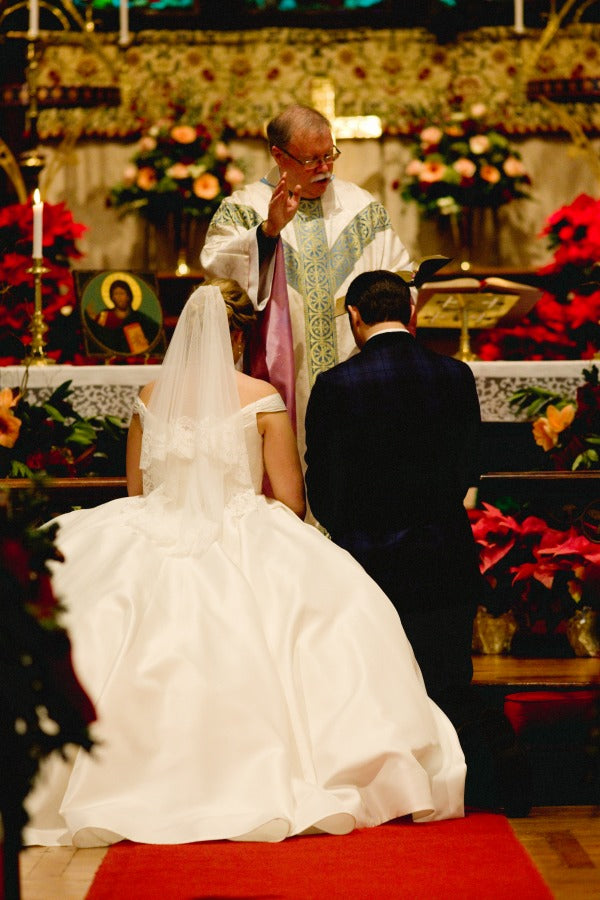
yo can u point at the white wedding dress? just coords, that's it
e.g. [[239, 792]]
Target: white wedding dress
[[255, 690]]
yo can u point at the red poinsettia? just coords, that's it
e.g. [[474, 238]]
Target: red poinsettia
[[565, 322], [538, 572], [59, 247]]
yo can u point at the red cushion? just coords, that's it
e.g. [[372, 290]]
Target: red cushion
[[550, 707]]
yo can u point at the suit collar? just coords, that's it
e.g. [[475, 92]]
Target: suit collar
[[386, 338]]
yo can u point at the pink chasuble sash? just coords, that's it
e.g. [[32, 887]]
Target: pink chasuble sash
[[271, 349]]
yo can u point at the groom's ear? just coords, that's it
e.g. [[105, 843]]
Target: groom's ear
[[355, 316]]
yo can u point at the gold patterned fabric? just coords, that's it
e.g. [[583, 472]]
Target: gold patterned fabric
[[248, 76]]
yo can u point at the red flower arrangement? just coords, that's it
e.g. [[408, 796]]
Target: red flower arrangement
[[542, 574], [43, 707], [16, 282], [564, 323]]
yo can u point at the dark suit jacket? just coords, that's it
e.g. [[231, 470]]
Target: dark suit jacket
[[392, 439]]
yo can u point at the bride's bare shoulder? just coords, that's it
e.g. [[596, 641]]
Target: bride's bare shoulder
[[251, 389], [146, 392]]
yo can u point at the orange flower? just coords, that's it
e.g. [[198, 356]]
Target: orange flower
[[547, 428], [146, 179], [10, 425], [432, 171], [206, 186], [490, 174], [183, 134]]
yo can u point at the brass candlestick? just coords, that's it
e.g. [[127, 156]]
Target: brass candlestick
[[37, 327], [464, 348]]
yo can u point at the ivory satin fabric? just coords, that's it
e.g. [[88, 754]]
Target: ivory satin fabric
[[257, 690]]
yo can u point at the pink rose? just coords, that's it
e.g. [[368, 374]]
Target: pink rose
[[414, 168], [513, 167], [465, 167], [431, 136], [178, 170], [234, 176], [147, 143], [130, 174]]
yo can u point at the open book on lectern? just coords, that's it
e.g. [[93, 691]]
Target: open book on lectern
[[490, 302]]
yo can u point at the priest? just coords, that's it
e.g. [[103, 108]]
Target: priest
[[294, 241]]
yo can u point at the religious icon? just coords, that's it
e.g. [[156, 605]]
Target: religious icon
[[121, 313]]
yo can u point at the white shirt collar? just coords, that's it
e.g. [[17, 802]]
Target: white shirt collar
[[388, 331]]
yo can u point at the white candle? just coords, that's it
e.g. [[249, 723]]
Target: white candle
[[34, 19], [123, 22], [38, 216], [519, 22]]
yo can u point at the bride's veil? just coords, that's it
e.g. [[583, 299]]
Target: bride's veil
[[194, 457]]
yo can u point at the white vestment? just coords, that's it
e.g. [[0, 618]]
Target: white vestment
[[327, 244]]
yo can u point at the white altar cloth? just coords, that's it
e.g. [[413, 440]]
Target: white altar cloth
[[111, 390]]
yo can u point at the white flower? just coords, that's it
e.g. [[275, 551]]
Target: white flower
[[479, 143], [478, 110]]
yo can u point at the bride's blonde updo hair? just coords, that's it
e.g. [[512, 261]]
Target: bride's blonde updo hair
[[240, 311]]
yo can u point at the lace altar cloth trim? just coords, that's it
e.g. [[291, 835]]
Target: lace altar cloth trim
[[111, 390]]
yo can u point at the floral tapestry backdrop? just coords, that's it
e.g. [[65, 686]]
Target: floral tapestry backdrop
[[248, 76]]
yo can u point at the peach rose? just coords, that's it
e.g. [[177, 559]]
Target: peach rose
[[146, 179], [414, 168], [178, 170], [130, 174], [513, 167], [479, 143], [234, 176], [465, 167], [490, 174], [431, 135], [221, 150], [147, 143], [183, 134], [206, 186]]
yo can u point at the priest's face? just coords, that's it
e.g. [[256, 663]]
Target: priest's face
[[308, 161]]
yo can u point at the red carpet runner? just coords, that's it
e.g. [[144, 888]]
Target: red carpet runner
[[475, 858]]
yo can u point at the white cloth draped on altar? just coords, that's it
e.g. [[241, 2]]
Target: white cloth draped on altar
[[111, 390]]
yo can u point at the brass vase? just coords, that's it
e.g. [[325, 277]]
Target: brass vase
[[493, 634], [583, 632]]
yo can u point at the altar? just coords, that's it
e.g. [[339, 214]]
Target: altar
[[111, 389]]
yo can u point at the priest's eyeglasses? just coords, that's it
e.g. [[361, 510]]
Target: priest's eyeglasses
[[311, 164]]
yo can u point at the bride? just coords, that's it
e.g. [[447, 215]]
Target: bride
[[251, 682]]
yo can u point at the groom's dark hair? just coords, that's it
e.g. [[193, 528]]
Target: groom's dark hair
[[380, 296]]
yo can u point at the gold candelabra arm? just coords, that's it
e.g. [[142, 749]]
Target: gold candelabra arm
[[11, 167]]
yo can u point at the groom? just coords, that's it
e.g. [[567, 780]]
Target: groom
[[392, 439]]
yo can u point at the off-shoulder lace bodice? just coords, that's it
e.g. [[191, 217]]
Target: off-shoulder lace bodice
[[270, 403]]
